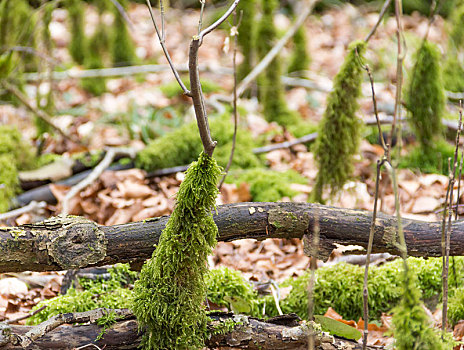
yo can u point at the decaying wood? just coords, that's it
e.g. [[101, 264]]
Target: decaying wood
[[248, 333], [74, 242]]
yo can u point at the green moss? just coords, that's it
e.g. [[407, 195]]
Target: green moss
[[300, 59], [434, 161], [169, 296], [181, 146], [411, 324], [453, 73], [302, 128], [111, 294], [173, 89], [228, 288], [268, 185], [340, 287], [340, 130], [123, 45], [457, 31], [78, 45], [425, 96], [247, 36], [271, 90]]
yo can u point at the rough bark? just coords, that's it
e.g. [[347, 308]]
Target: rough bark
[[249, 333], [74, 242]]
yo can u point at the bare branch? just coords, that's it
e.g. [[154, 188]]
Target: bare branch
[[381, 14], [166, 52], [216, 24], [123, 13], [32, 206]]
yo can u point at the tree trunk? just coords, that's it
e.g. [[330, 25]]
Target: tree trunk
[[75, 242]]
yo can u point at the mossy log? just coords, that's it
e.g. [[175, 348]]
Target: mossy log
[[249, 333], [75, 242]]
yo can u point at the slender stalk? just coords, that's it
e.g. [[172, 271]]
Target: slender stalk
[[381, 14], [312, 280]]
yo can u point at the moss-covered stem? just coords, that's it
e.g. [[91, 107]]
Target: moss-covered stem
[[271, 55]]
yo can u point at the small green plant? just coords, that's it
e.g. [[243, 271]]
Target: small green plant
[[339, 132], [268, 185], [123, 45], [169, 297], [78, 45], [271, 91], [246, 36], [425, 96]]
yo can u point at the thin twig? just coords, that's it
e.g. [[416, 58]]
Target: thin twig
[[202, 11], [32, 206], [16, 320], [123, 14], [312, 280], [256, 71], [452, 178], [38, 112], [381, 14], [216, 24], [94, 175], [234, 104], [166, 52]]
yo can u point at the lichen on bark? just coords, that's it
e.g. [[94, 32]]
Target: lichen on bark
[[168, 297], [339, 131]]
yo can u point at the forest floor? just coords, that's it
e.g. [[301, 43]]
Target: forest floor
[[125, 196]]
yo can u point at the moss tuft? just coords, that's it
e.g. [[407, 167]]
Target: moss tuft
[[168, 298], [339, 132], [268, 185], [12, 143], [456, 306], [182, 146], [9, 183], [425, 96]]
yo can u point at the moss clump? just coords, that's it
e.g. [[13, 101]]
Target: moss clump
[[9, 183], [300, 59], [434, 161], [181, 147], [339, 132], [168, 297], [78, 45], [453, 71], [425, 96], [411, 325], [272, 93], [123, 45], [112, 294], [340, 287], [246, 37], [228, 288], [268, 185], [12, 144]]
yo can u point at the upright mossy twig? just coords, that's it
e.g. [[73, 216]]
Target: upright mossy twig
[[271, 90], [246, 36], [300, 59], [168, 298], [78, 45], [123, 46], [425, 96], [339, 132]]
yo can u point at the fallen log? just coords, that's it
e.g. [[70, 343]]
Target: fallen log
[[75, 242], [285, 332]]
